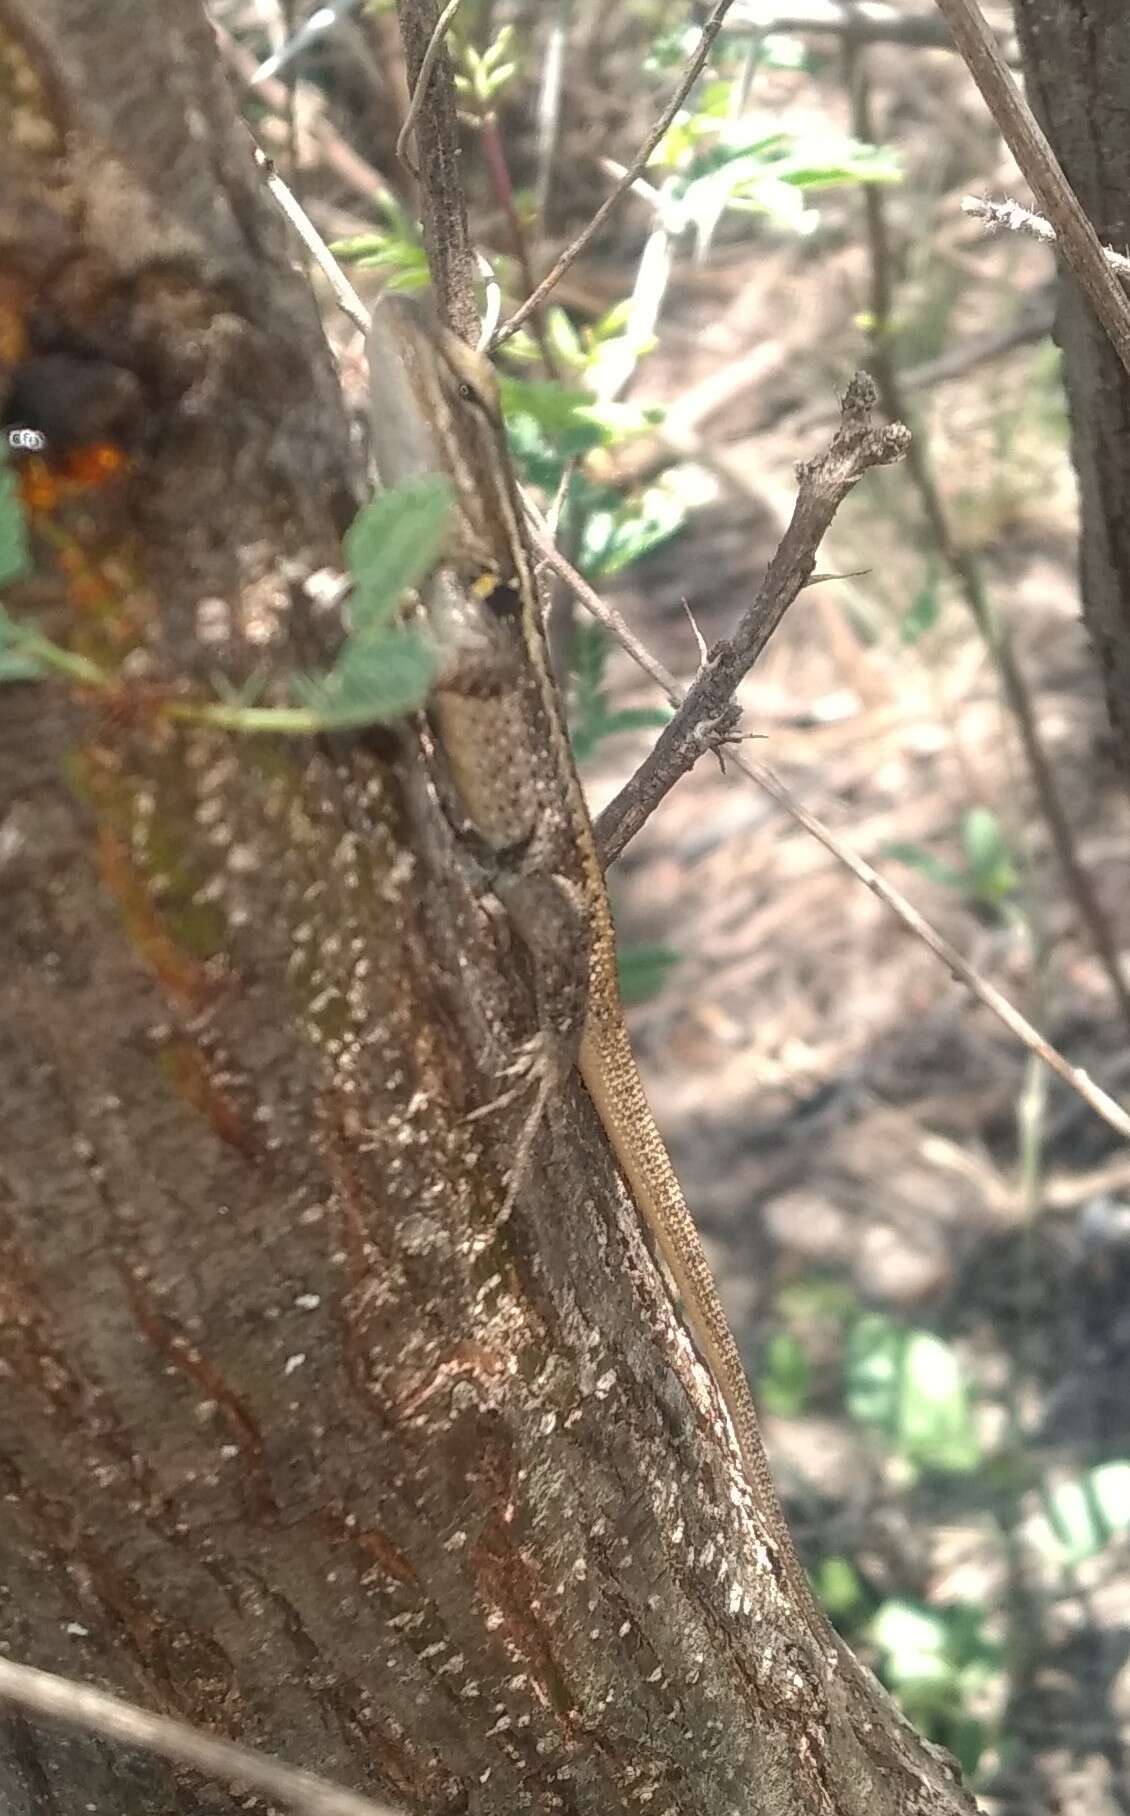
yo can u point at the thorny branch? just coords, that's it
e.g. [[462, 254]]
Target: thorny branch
[[858, 445], [1012, 217]]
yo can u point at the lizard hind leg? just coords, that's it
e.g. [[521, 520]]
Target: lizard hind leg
[[535, 1065], [548, 916]]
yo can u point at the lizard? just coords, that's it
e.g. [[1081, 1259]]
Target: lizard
[[497, 717]]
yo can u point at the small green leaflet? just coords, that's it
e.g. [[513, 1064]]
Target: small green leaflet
[[1081, 1516], [385, 668], [643, 970], [572, 421], [13, 537], [16, 664], [922, 613], [18, 660], [910, 1385], [395, 248], [989, 878], [594, 717]]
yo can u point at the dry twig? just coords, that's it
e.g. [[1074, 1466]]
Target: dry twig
[[42, 1694], [431, 57], [857, 446], [1014, 218]]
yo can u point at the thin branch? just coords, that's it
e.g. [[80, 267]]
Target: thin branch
[[275, 95], [343, 290], [319, 22], [443, 199], [863, 22], [708, 710], [1081, 1082], [498, 170], [41, 1693], [549, 109], [1014, 218], [572, 252], [431, 57], [1078, 240]]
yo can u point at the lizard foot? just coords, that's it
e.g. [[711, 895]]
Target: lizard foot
[[535, 1068], [534, 1060]]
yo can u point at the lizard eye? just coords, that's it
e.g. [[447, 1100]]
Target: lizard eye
[[465, 392]]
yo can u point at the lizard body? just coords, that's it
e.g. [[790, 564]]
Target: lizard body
[[499, 722]]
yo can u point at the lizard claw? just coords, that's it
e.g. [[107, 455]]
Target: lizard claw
[[533, 1063], [533, 1066]]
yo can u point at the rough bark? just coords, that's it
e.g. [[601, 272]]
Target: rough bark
[[1076, 56], [297, 1439]]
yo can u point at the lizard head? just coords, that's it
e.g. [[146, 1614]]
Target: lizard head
[[436, 409]]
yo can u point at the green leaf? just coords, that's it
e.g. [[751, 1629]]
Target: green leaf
[[838, 1587], [27, 655], [19, 666], [384, 668], [722, 163], [786, 1376], [910, 1385], [637, 718], [671, 49], [943, 1665], [373, 681], [14, 561], [913, 1639], [573, 421], [936, 1423], [590, 660], [992, 873], [922, 613], [627, 529], [393, 543], [780, 50], [19, 660], [643, 970], [1082, 1516], [593, 717], [927, 865], [396, 249], [483, 75], [563, 338], [613, 322]]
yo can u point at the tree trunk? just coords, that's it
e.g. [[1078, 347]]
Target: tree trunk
[[298, 1438], [1077, 67]]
